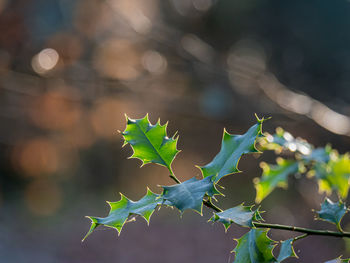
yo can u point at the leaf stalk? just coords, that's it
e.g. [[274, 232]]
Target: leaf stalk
[[307, 231], [172, 175]]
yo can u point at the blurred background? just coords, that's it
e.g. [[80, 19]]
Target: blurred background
[[71, 69]]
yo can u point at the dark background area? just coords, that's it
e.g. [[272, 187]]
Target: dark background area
[[70, 70]]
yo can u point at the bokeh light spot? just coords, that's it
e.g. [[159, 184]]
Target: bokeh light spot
[[55, 110], [118, 59], [45, 61], [36, 157], [154, 62], [202, 5]]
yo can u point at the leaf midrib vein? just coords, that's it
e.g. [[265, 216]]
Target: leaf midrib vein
[[138, 126]]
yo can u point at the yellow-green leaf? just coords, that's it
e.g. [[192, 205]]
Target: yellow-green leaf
[[150, 142], [274, 176], [334, 175], [122, 209]]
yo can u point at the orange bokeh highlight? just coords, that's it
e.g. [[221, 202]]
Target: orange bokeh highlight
[[80, 135], [36, 157], [55, 110], [118, 59], [106, 117], [43, 197]]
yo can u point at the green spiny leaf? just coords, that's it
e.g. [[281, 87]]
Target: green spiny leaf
[[255, 246], [332, 212], [150, 142], [122, 209], [232, 148], [190, 194], [286, 250], [339, 260], [241, 215], [274, 176]]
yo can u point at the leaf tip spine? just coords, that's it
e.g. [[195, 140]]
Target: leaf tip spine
[[147, 118]]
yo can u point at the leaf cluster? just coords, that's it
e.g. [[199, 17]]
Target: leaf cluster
[[151, 144]]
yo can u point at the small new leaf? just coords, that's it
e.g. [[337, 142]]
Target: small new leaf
[[190, 194], [232, 148], [255, 246], [332, 212], [241, 215], [286, 250], [122, 209], [274, 176], [150, 142]]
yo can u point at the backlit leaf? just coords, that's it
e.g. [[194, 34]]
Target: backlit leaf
[[255, 246], [122, 209], [334, 175], [274, 176], [190, 194], [241, 215], [232, 148], [150, 142]]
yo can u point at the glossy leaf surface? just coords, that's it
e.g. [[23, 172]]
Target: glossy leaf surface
[[232, 148], [286, 250], [240, 215], [190, 194], [332, 212], [255, 246]]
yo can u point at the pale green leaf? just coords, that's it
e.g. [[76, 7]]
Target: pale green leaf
[[274, 176], [232, 148], [150, 142], [240, 215], [122, 209], [255, 246], [334, 175], [286, 250], [190, 194], [332, 212]]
